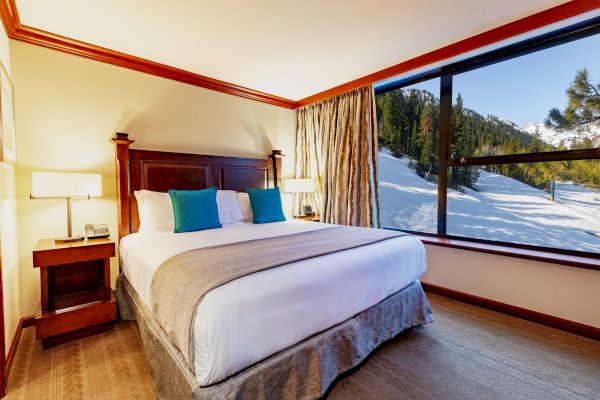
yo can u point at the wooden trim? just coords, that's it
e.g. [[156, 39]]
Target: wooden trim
[[17, 31], [562, 155], [523, 313], [515, 28], [444, 151], [9, 16], [24, 322], [28, 321], [514, 251], [122, 142], [276, 157], [3, 378]]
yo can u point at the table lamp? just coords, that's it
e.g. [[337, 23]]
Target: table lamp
[[303, 185], [67, 186]]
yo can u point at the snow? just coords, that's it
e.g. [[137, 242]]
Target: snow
[[501, 208], [554, 137]]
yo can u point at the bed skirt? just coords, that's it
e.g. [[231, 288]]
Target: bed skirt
[[303, 371]]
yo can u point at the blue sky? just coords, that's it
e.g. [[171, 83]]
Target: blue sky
[[524, 89]]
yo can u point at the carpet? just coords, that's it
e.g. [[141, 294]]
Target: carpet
[[468, 353], [472, 353], [111, 365]]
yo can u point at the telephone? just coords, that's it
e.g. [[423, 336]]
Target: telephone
[[96, 231], [308, 211]]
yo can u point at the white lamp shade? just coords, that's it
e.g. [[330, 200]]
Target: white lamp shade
[[65, 184], [299, 186]]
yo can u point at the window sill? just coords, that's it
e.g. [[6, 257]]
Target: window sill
[[536, 255]]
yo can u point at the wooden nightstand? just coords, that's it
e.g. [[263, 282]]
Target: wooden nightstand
[[75, 283], [313, 218]]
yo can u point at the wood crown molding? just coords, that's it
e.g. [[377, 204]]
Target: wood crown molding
[[17, 31], [577, 328], [518, 27]]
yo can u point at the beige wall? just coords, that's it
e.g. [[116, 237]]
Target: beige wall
[[67, 109], [8, 227], [564, 292]]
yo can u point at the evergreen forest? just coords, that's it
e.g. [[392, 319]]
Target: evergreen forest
[[408, 125]]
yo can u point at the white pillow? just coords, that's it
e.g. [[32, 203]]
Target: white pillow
[[155, 210], [246, 206], [229, 208]]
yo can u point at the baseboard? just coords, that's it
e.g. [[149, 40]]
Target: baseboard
[[523, 313], [24, 322]]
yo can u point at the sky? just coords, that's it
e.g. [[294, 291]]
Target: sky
[[524, 89]]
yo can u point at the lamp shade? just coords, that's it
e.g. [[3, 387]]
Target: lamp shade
[[65, 184], [299, 186]]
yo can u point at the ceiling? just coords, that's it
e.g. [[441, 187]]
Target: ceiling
[[287, 48]]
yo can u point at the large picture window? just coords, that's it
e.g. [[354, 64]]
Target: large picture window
[[503, 147], [408, 121]]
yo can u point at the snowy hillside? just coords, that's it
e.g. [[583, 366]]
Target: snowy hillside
[[501, 209], [554, 137]]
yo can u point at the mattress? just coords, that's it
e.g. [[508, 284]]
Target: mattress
[[251, 318]]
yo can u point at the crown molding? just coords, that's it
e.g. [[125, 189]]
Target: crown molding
[[17, 31], [539, 20]]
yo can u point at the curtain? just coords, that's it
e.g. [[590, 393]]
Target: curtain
[[336, 144]]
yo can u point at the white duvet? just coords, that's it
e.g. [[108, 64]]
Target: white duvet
[[251, 318]]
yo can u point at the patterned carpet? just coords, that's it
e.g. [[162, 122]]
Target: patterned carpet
[[472, 353], [111, 365], [468, 353]]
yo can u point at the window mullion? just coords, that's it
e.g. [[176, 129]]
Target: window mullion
[[562, 155], [444, 150]]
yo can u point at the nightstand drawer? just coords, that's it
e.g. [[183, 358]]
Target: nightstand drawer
[[78, 317], [73, 254]]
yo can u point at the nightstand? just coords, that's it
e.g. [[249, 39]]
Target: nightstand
[[77, 300], [313, 218]]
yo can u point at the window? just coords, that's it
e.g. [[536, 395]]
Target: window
[[503, 147], [408, 121], [542, 204]]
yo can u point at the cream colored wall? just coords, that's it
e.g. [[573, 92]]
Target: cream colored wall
[[8, 229], [67, 108], [564, 292]]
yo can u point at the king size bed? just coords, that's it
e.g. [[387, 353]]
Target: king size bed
[[274, 310]]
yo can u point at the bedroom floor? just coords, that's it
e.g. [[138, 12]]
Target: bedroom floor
[[468, 353]]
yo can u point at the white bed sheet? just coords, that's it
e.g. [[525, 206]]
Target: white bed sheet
[[251, 318]]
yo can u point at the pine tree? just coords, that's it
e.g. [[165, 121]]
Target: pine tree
[[415, 143], [429, 130], [583, 104]]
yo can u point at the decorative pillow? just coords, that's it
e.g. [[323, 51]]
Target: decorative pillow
[[155, 210], [245, 206], [195, 210], [266, 205], [229, 208]]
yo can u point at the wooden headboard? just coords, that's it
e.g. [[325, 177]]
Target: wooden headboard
[[160, 171]]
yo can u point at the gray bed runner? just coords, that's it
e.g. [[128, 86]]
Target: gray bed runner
[[182, 281]]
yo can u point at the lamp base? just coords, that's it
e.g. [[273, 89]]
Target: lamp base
[[68, 239]]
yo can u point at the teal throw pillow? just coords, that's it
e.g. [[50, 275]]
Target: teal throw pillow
[[195, 210], [266, 205]]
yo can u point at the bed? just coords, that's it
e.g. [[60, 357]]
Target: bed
[[284, 332]]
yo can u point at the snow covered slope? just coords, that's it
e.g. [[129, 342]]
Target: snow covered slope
[[501, 208], [554, 137]]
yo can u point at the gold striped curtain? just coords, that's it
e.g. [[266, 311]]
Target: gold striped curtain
[[336, 144]]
